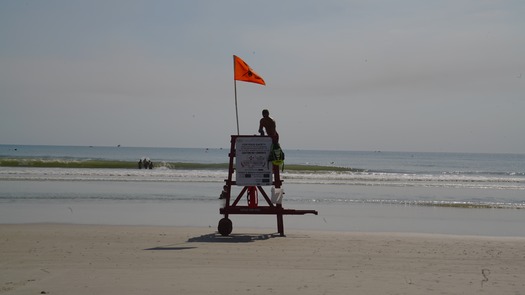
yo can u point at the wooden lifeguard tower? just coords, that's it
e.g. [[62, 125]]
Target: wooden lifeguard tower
[[249, 162]]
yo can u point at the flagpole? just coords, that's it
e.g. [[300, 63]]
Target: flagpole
[[236, 110], [235, 90]]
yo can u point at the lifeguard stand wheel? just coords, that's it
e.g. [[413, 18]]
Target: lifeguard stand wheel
[[225, 226], [249, 160]]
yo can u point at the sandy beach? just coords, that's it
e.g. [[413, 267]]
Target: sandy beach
[[95, 259]]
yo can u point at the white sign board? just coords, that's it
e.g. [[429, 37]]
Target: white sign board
[[252, 165]]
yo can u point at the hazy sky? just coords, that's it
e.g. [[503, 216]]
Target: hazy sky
[[348, 75]]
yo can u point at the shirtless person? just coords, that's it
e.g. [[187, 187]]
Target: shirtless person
[[268, 124]]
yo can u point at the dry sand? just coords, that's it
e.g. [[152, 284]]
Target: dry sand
[[81, 259]]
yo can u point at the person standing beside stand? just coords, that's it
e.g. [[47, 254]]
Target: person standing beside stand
[[276, 156]]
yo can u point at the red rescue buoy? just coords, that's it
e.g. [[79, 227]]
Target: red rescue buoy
[[253, 199]]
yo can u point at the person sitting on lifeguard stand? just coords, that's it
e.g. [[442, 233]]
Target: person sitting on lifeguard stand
[[268, 124]]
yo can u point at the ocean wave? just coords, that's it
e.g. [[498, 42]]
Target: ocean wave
[[443, 204], [107, 174], [290, 200], [94, 163], [109, 164], [164, 174]]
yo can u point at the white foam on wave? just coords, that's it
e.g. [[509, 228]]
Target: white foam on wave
[[342, 178], [401, 179]]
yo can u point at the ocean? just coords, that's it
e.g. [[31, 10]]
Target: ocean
[[451, 193]]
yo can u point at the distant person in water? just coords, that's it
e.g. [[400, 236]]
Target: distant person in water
[[146, 163], [268, 124]]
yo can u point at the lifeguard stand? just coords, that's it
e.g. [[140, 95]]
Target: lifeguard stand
[[249, 160]]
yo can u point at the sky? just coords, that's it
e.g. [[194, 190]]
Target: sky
[[363, 75]]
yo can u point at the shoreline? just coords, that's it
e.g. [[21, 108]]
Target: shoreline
[[265, 231], [347, 218], [111, 259]]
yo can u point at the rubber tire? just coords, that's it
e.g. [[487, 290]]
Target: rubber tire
[[225, 226]]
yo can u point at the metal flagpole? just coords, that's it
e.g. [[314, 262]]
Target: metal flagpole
[[235, 89]]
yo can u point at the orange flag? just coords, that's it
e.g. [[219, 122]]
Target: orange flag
[[243, 72]]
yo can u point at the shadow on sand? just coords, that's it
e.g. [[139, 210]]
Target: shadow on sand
[[169, 248], [217, 238], [233, 238]]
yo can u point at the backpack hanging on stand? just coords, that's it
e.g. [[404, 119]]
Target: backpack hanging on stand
[[276, 156]]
